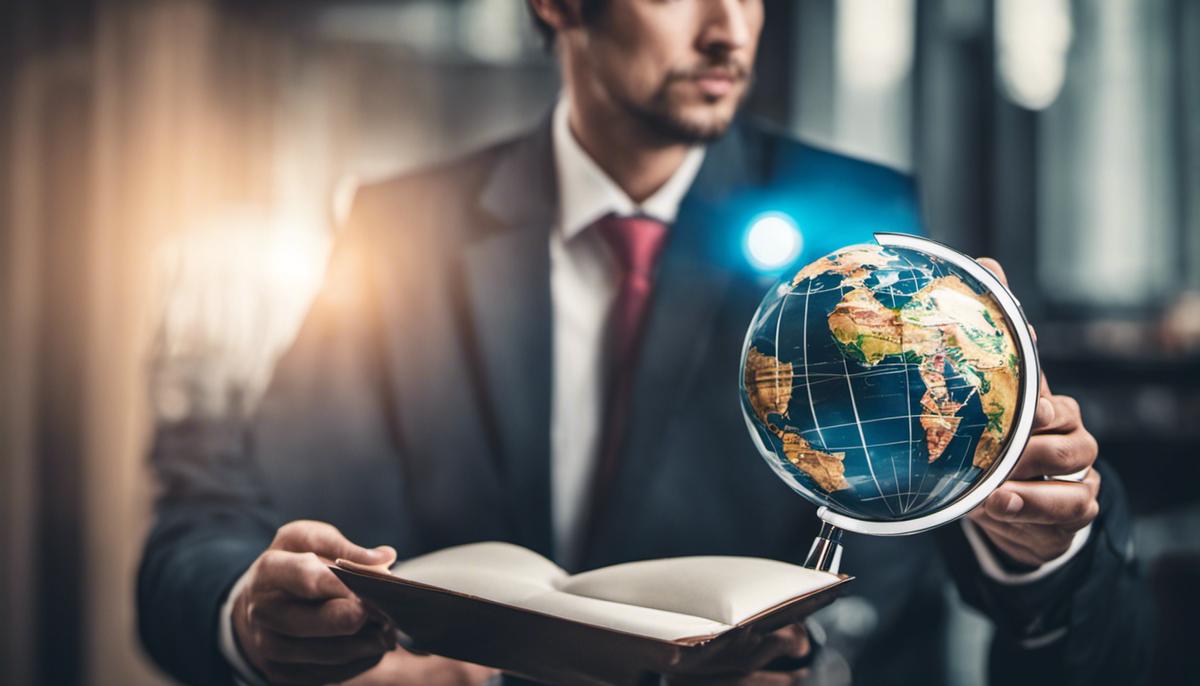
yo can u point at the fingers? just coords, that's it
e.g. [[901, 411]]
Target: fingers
[[289, 659], [753, 679], [994, 267], [400, 667], [790, 641], [1056, 413], [371, 641], [1026, 543], [1033, 520], [304, 536], [1060, 444], [284, 615], [1067, 415], [1060, 503], [297, 622], [1056, 455], [300, 574], [773, 678], [1045, 414], [742, 661], [308, 674]]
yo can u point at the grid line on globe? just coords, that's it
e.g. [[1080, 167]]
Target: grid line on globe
[[910, 376]]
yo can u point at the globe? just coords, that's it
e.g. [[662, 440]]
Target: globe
[[883, 382]]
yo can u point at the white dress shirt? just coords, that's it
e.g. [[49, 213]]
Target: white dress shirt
[[584, 278], [583, 282]]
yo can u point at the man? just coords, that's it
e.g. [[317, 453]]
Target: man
[[538, 344]]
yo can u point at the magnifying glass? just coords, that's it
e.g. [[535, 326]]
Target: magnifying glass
[[892, 384]]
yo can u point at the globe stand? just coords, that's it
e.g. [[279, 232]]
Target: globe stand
[[825, 555]]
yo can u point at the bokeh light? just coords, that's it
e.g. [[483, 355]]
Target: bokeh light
[[773, 241]]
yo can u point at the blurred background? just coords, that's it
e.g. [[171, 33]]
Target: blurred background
[[172, 173]]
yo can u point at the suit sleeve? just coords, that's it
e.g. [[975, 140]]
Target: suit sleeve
[[213, 515], [1088, 621], [211, 522], [1085, 623]]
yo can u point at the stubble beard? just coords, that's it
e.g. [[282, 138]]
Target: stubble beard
[[666, 121]]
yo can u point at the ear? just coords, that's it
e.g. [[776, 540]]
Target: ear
[[559, 14]]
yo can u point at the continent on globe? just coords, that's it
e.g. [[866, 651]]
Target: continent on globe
[[867, 330], [854, 264], [883, 381], [940, 419], [768, 383], [944, 322], [827, 469]]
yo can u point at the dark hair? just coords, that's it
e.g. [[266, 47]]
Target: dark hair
[[590, 9]]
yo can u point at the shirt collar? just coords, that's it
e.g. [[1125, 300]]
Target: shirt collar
[[586, 192]]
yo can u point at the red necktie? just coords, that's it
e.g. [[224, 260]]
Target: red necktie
[[636, 243]]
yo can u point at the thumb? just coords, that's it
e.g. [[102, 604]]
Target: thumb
[[385, 554], [326, 541], [379, 556]]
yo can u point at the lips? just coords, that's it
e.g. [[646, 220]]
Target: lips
[[715, 83]]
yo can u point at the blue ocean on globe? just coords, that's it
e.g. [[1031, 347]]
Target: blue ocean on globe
[[881, 382]]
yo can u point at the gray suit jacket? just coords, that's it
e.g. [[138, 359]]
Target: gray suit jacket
[[414, 410]]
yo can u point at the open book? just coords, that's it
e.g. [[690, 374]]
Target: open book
[[505, 606]]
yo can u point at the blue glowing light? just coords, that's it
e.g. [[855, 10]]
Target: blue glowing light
[[773, 241]]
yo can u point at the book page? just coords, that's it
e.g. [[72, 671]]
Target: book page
[[501, 572], [722, 589], [668, 599], [643, 621]]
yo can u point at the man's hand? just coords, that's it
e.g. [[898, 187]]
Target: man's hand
[[1030, 519], [743, 662], [402, 668], [296, 622]]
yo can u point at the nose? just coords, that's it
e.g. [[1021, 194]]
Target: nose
[[727, 25]]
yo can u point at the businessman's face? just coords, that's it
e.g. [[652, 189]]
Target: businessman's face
[[680, 67]]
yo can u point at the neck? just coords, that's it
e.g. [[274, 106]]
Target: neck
[[635, 159]]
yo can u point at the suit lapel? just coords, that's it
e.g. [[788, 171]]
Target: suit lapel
[[695, 272], [506, 269]]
